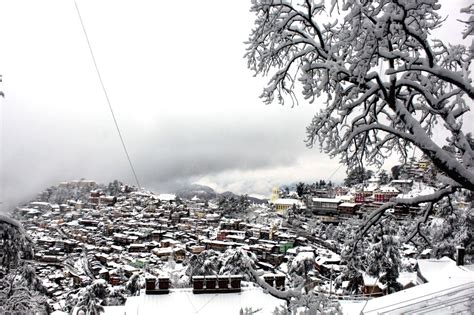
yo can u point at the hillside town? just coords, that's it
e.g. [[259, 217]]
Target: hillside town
[[139, 245]]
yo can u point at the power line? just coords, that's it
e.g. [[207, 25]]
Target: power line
[[107, 97], [333, 173]]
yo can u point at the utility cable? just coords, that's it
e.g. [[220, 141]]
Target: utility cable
[[107, 97], [334, 172]]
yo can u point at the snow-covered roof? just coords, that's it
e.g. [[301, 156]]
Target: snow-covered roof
[[303, 256], [372, 281], [448, 297], [402, 181], [374, 179], [388, 189], [183, 301], [426, 251], [347, 198], [329, 258], [371, 187], [113, 310], [335, 200], [348, 204], [405, 278], [167, 197], [418, 189], [434, 270], [288, 201], [162, 251]]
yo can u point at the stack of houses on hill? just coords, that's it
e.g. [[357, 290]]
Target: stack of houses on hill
[[114, 236]]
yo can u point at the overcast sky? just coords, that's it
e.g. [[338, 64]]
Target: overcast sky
[[185, 101]]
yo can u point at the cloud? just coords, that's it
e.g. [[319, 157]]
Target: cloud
[[307, 167], [186, 104]]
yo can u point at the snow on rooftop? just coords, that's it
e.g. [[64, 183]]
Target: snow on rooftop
[[348, 204], [448, 297], [183, 301], [288, 201], [371, 187], [418, 189], [439, 270], [389, 189], [346, 198], [303, 256], [113, 310], [402, 181], [335, 200], [167, 197], [404, 278]]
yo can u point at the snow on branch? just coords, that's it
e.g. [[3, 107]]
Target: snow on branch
[[380, 81], [376, 215]]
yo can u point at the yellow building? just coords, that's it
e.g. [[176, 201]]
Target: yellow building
[[423, 164], [282, 205], [275, 194]]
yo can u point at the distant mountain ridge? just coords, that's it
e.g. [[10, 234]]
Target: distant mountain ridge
[[200, 191], [207, 193]]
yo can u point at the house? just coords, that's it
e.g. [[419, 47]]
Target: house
[[385, 193], [325, 206], [163, 252], [137, 248], [372, 287], [327, 261], [423, 164], [365, 192], [218, 245], [348, 208], [403, 185]]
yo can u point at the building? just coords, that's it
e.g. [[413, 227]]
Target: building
[[346, 208], [275, 194], [423, 164], [282, 205], [184, 301], [385, 194], [325, 206], [403, 185], [448, 297]]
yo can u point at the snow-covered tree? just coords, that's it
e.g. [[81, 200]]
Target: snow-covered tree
[[383, 82], [383, 256], [14, 242], [133, 284], [302, 264], [90, 298], [297, 300], [451, 227], [205, 263], [21, 291], [469, 31], [384, 178], [114, 188], [235, 262], [233, 205], [357, 175]]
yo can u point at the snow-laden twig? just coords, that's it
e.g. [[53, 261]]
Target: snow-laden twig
[[377, 214]]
